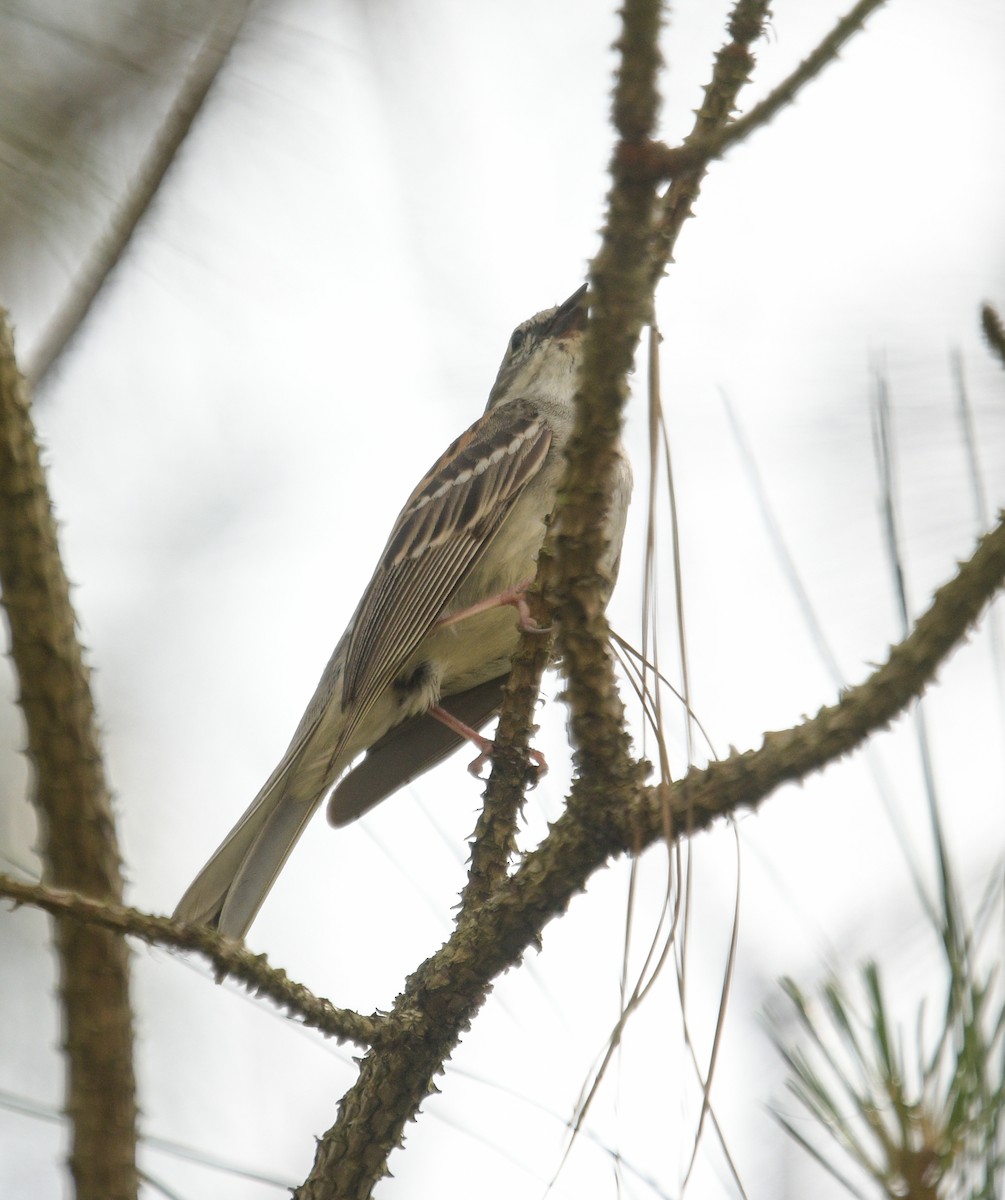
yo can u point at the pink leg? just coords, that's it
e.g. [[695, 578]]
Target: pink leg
[[484, 744], [516, 596]]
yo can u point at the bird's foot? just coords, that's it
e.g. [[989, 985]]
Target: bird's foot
[[515, 596], [485, 745]]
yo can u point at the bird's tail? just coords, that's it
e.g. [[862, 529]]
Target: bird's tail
[[229, 890]]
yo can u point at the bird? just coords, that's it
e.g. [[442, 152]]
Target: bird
[[425, 657]]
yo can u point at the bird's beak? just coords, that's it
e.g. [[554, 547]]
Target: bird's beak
[[571, 316]]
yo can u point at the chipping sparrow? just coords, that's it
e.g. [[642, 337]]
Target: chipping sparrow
[[471, 530]]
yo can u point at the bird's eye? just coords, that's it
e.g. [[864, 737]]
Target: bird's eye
[[517, 340]]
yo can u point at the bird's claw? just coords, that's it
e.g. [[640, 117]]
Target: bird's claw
[[515, 596], [538, 766]]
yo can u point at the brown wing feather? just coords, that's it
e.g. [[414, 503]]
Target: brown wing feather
[[408, 750], [444, 527]]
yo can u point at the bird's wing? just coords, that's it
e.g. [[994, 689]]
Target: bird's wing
[[408, 750], [443, 529], [446, 524]]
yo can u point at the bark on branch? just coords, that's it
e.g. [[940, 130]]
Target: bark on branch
[[442, 997], [229, 958], [78, 841], [411, 1043]]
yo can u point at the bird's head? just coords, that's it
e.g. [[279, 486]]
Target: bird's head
[[544, 353]]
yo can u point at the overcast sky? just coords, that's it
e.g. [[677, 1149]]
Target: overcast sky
[[315, 306]]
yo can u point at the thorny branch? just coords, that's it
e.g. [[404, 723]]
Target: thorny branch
[[229, 958], [496, 936], [77, 828], [610, 811]]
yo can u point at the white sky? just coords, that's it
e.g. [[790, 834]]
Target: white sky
[[375, 195]]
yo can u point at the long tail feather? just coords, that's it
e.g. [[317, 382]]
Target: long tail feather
[[229, 890]]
